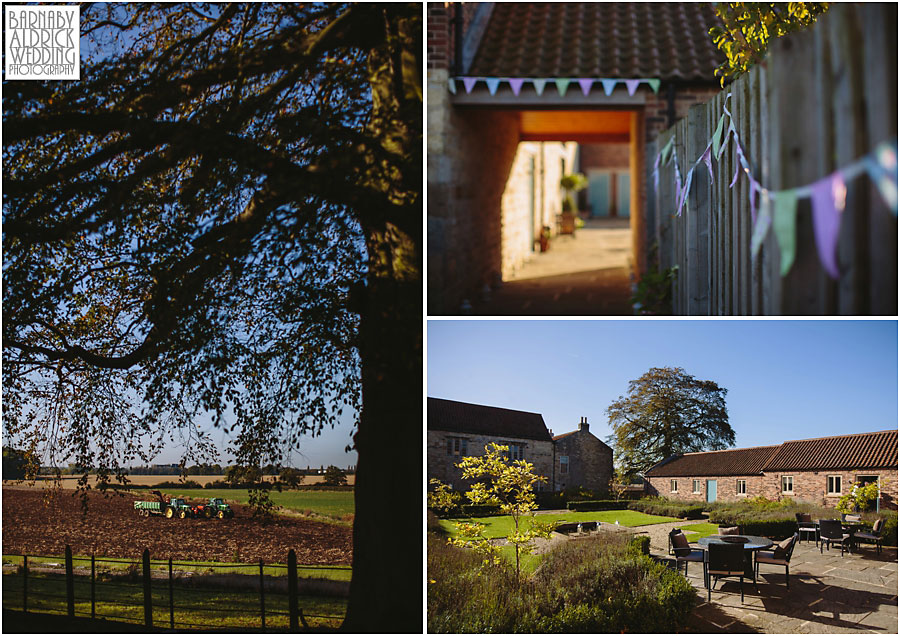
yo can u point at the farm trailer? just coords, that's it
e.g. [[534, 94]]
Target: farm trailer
[[172, 508]]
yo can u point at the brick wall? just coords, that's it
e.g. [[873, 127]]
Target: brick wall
[[590, 461], [657, 106], [443, 466], [809, 486], [603, 156], [439, 40]]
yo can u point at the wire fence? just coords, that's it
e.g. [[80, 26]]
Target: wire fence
[[173, 594]]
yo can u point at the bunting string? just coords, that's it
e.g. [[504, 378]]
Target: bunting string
[[777, 209], [562, 84]]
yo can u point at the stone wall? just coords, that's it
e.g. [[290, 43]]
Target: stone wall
[[809, 486], [442, 466], [590, 461]]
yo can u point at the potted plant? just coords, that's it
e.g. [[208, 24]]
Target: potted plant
[[571, 183], [544, 238]]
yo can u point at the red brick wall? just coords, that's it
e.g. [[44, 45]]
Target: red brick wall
[[657, 106], [440, 44], [809, 486]]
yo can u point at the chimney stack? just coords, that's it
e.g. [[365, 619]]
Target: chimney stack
[[583, 425]]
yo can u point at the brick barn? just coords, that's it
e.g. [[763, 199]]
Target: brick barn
[[817, 470], [459, 429]]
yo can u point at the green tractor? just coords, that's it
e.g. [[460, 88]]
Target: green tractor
[[216, 507]]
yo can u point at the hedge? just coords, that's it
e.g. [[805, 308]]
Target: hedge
[[598, 504], [667, 508]]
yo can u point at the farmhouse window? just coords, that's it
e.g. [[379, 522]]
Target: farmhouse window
[[457, 446], [673, 485], [741, 486], [862, 480], [564, 464], [834, 485], [787, 484], [516, 451], [697, 487]]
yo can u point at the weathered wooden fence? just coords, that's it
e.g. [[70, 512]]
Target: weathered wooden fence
[[822, 99]]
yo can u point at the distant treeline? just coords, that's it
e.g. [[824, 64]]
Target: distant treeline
[[199, 469]]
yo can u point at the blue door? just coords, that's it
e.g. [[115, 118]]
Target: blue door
[[623, 194], [710, 490], [598, 193]]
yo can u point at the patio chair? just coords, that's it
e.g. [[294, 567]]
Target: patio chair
[[781, 555], [724, 559], [806, 526], [673, 531], [871, 537], [830, 531], [684, 553]]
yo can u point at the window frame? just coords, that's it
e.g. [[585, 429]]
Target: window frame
[[457, 446], [828, 482], [563, 465], [737, 487], [673, 485], [787, 492], [519, 450], [696, 486]]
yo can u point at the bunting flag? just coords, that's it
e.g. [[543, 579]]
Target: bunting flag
[[654, 85], [784, 223], [778, 209], [585, 85], [516, 86], [539, 85], [608, 86], [451, 84], [469, 83], [492, 84], [829, 195], [562, 85], [632, 85]]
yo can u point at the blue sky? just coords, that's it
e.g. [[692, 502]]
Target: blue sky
[[786, 379]]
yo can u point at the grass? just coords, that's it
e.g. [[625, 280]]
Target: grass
[[529, 562], [332, 573], [124, 602], [337, 505], [501, 526], [697, 531]]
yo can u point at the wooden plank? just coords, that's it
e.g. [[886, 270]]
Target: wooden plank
[[697, 214], [725, 172], [753, 154], [771, 253], [879, 53]]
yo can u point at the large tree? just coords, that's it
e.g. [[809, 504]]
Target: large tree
[[667, 411], [224, 217]]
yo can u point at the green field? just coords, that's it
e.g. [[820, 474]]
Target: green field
[[47, 594], [337, 505], [501, 526], [697, 531]]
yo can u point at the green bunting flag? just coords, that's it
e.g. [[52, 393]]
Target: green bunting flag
[[654, 84], [785, 225], [562, 85], [717, 137]]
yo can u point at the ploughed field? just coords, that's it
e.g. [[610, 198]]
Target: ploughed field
[[111, 527]]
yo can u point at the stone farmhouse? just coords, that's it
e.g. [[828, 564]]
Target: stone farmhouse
[[521, 93], [458, 429], [817, 470]]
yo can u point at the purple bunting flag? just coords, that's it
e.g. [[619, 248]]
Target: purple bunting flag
[[685, 191], [707, 159], [754, 188], [516, 85], [632, 85], [469, 83], [829, 196], [585, 85], [608, 86]]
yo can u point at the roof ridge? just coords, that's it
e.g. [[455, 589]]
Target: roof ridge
[[486, 406], [731, 450], [815, 439]]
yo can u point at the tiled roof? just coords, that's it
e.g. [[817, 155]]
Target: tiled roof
[[461, 417], [603, 39], [739, 461], [556, 437], [864, 450]]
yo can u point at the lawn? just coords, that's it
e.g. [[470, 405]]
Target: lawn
[[336, 504], [503, 525], [697, 531]]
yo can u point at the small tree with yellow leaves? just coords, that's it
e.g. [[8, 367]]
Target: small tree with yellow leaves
[[509, 485]]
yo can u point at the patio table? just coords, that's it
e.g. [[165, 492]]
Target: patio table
[[751, 544]]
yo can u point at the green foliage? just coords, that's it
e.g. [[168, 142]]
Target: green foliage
[[667, 411], [667, 507], [653, 296], [334, 476], [15, 463], [748, 27], [189, 484], [509, 485], [641, 544], [290, 477], [860, 498], [599, 504], [599, 585], [572, 183]]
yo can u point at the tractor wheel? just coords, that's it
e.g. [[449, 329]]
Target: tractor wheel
[[182, 514], [208, 513], [231, 514], [170, 512], [221, 514]]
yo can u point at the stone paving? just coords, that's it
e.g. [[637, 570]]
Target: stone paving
[[588, 274], [828, 594]]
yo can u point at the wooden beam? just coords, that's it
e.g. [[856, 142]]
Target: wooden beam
[[582, 138]]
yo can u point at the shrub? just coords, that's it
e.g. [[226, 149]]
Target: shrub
[[641, 543], [190, 483], [667, 508], [550, 500], [601, 584], [600, 504], [218, 484], [479, 510]]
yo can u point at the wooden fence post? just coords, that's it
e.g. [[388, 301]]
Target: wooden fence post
[[70, 583], [262, 596], [292, 590], [25, 583], [93, 588], [171, 598], [148, 597]]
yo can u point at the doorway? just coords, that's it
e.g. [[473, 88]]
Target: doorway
[[711, 486]]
